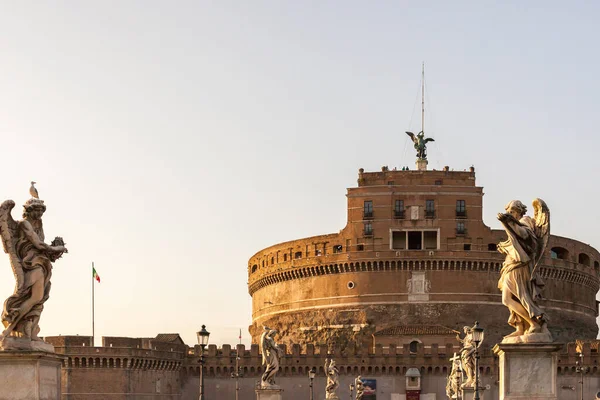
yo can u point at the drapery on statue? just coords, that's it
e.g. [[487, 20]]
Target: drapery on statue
[[333, 379], [31, 261], [467, 356], [270, 356], [420, 144], [520, 278], [360, 387]]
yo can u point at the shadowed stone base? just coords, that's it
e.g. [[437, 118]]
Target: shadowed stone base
[[469, 393], [12, 343], [29, 375], [528, 370], [268, 394]]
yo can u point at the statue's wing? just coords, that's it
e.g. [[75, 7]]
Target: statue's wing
[[541, 229], [263, 346], [412, 136], [429, 140], [9, 230]]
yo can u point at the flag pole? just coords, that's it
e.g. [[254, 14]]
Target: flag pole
[[93, 327]]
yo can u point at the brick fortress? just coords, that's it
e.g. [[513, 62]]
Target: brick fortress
[[414, 264], [415, 256]]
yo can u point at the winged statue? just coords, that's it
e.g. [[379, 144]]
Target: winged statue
[[520, 278], [31, 261], [420, 142], [270, 356]]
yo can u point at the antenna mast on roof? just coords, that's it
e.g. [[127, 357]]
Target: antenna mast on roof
[[423, 98]]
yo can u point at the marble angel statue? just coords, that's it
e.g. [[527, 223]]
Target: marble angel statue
[[360, 387], [31, 261], [520, 278], [270, 356], [453, 380], [333, 379], [467, 356]]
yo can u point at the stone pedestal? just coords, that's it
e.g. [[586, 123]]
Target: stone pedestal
[[528, 370], [268, 394], [29, 375], [469, 393], [421, 165]]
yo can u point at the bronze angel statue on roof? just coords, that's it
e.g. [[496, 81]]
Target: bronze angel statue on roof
[[31, 261], [420, 144], [520, 278]]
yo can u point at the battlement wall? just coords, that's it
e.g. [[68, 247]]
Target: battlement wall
[[297, 360]]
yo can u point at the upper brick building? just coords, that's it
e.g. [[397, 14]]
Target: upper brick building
[[415, 253]]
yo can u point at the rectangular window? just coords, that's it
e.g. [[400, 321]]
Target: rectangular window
[[430, 239], [461, 210], [348, 244], [460, 228], [368, 209], [298, 255], [398, 240], [360, 247], [399, 209], [429, 209], [415, 240], [337, 248], [467, 247], [368, 229]]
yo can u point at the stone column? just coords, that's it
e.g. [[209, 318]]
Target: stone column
[[528, 370], [268, 394], [30, 375]]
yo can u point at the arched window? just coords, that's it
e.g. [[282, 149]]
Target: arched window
[[298, 255], [413, 346], [254, 268], [559, 253], [584, 259]]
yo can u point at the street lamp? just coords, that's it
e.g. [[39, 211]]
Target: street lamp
[[237, 375], [477, 338], [203, 335], [580, 369], [311, 376], [351, 390]]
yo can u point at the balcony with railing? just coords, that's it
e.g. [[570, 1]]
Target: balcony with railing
[[399, 214], [430, 214], [461, 214], [367, 214]]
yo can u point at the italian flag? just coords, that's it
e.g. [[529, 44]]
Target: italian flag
[[95, 275]]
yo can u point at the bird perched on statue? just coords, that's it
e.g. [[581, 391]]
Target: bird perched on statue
[[33, 191]]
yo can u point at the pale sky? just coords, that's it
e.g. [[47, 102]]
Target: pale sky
[[173, 140]]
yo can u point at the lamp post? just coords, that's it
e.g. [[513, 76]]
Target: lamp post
[[477, 338], [237, 374], [351, 390], [311, 376], [203, 335], [580, 369]]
